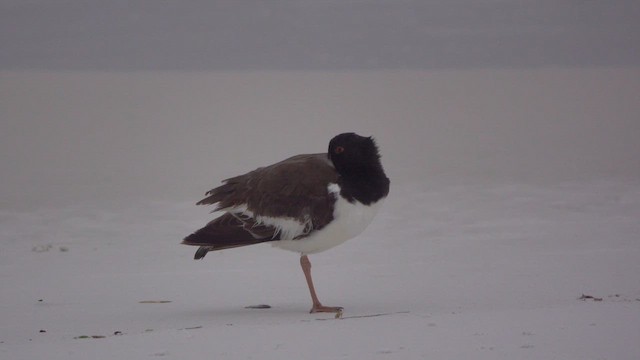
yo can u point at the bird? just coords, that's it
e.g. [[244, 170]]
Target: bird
[[306, 204]]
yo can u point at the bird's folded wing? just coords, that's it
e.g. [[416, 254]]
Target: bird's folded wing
[[294, 189], [229, 231]]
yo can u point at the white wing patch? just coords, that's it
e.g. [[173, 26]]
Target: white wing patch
[[288, 228]]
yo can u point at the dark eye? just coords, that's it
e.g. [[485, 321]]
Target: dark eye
[[339, 150]]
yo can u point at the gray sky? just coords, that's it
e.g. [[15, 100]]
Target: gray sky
[[316, 35]]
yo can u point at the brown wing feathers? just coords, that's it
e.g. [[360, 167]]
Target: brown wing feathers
[[228, 231], [294, 188]]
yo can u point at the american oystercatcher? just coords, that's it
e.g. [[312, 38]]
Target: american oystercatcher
[[306, 203]]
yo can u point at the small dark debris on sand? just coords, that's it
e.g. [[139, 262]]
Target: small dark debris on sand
[[154, 301], [90, 337], [260, 306], [192, 328]]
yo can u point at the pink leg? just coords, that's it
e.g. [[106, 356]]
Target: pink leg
[[317, 306]]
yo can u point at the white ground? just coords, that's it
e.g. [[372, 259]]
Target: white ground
[[484, 272], [514, 192]]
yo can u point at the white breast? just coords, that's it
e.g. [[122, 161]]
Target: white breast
[[349, 220]]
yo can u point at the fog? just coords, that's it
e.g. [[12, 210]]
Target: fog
[[311, 35], [70, 137], [128, 100], [509, 130]]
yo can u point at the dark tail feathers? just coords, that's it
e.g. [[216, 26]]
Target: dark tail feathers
[[201, 252]]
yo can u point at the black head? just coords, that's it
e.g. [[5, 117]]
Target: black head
[[352, 152], [357, 160]]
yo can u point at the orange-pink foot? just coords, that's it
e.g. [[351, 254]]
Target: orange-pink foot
[[327, 309]]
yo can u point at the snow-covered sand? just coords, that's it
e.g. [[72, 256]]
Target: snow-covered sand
[[513, 194]]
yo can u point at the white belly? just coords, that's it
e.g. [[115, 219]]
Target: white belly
[[349, 220]]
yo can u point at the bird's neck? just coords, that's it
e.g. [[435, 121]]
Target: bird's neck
[[366, 185]]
